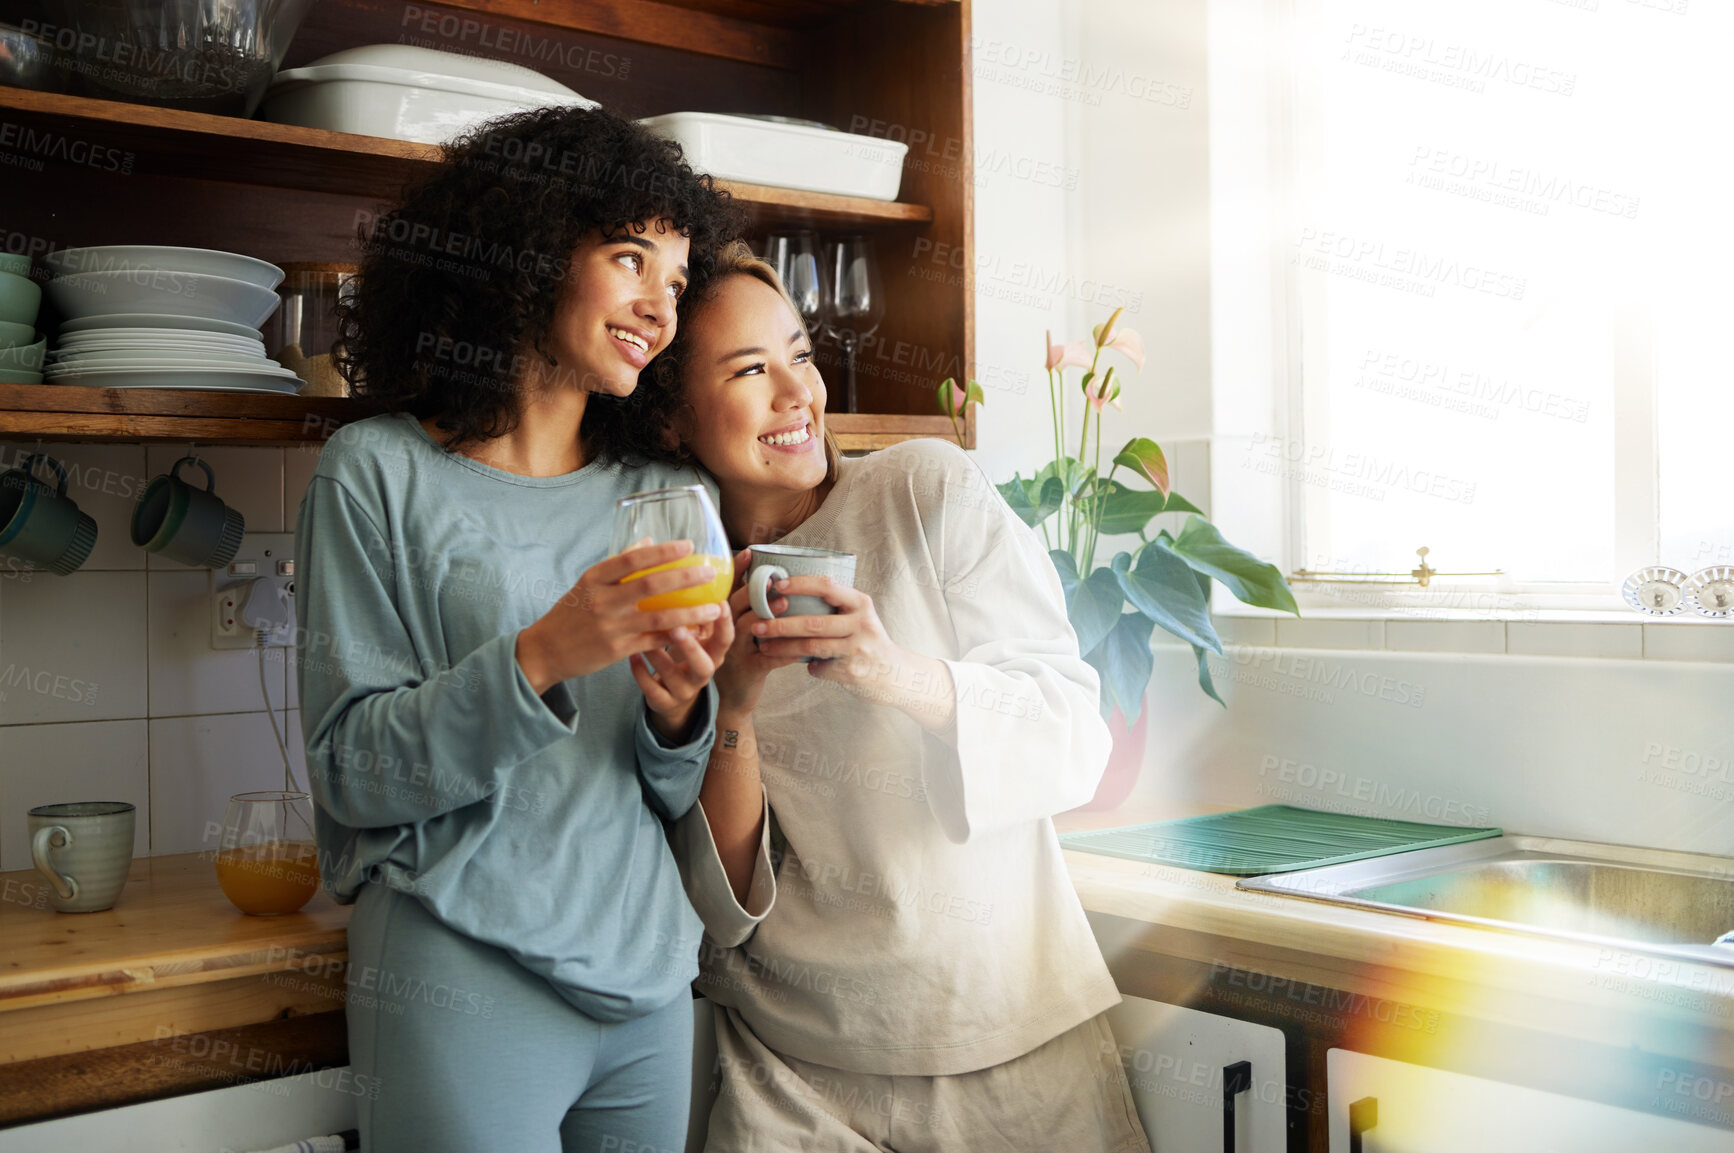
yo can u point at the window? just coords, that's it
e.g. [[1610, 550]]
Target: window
[[1503, 235]]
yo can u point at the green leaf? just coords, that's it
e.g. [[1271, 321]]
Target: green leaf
[[1094, 606], [1068, 570], [1053, 495], [973, 395], [1033, 506], [1144, 457], [1178, 503], [1204, 680], [1162, 587], [1127, 510], [1248, 578], [1016, 492], [1074, 474], [1124, 662]]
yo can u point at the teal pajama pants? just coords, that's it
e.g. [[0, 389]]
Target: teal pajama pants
[[466, 1051]]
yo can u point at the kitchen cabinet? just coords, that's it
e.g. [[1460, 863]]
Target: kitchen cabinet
[[892, 68], [1203, 1083], [256, 1116], [1378, 1105]]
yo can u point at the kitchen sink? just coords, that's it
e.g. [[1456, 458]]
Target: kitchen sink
[[1647, 900]]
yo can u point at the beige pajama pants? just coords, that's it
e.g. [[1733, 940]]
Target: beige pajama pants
[[1067, 1094]]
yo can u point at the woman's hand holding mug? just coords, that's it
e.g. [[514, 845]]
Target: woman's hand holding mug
[[851, 647], [743, 672]]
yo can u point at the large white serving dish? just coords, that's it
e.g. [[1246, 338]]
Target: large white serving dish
[[122, 257], [785, 155], [178, 294], [402, 92]]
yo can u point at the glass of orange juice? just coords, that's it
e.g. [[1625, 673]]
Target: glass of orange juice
[[670, 514], [266, 860]]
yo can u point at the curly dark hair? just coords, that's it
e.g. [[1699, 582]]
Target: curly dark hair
[[459, 282]]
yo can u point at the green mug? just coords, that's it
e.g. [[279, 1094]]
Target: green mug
[[42, 525], [187, 524], [85, 849]]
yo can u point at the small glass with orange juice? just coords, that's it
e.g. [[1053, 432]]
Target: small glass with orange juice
[[267, 863], [670, 514]]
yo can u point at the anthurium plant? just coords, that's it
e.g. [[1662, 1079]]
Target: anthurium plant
[[1162, 583]]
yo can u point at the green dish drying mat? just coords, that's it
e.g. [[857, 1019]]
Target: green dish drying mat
[[1268, 839]]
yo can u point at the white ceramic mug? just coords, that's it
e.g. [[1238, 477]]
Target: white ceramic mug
[[84, 849]]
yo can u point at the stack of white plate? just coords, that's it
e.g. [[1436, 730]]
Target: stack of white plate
[[142, 316]]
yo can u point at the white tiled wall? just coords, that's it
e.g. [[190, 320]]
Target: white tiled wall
[[109, 687], [1564, 732]]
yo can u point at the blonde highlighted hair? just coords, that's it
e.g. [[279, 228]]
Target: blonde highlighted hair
[[735, 259]]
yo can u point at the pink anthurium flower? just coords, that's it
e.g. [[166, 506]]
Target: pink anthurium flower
[[956, 397], [1129, 342], [1064, 356], [1103, 392]]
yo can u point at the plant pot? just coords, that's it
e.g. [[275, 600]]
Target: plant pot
[[1124, 762]]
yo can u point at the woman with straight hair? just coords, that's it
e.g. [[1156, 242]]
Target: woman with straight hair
[[897, 954], [495, 731]]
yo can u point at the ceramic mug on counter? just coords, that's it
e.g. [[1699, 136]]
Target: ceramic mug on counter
[[187, 524], [40, 524], [84, 849], [774, 562]]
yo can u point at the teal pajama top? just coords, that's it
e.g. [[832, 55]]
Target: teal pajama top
[[533, 823]]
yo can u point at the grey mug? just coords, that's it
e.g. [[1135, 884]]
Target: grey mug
[[772, 562], [187, 524], [84, 849], [40, 524]]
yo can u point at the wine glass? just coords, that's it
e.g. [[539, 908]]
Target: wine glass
[[854, 302], [669, 514], [795, 256], [267, 862]]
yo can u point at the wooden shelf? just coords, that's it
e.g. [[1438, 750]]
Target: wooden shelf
[[64, 412], [69, 412], [172, 142], [865, 431]]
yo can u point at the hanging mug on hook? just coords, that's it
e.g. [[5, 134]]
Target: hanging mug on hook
[[40, 524], [187, 524]]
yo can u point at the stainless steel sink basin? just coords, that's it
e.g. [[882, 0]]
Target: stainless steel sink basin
[[1648, 900]]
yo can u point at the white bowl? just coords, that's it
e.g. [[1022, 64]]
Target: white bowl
[[125, 257], [183, 294], [136, 322]]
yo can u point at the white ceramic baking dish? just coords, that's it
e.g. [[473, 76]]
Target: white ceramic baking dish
[[784, 154], [402, 92]]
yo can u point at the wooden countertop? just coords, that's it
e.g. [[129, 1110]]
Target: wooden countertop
[[171, 927]]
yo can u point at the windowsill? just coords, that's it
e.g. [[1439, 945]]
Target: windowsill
[[1535, 633]]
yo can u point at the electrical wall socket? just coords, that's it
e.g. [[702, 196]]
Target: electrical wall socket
[[262, 554]]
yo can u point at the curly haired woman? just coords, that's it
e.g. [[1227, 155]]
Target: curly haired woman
[[494, 731]]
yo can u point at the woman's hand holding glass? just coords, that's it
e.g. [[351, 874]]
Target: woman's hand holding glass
[[599, 622]]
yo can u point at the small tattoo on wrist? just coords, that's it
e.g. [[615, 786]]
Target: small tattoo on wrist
[[731, 738]]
